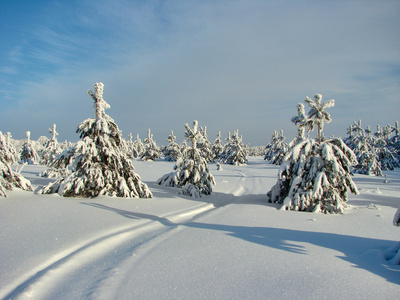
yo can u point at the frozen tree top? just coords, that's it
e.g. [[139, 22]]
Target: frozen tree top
[[192, 134], [99, 103], [53, 132]]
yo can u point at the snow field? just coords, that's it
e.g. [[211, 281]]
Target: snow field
[[230, 245]]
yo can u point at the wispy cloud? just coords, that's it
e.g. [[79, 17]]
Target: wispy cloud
[[229, 64]]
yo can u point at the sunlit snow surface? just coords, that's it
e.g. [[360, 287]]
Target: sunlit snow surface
[[230, 245]]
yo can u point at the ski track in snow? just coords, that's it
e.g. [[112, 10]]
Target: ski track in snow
[[102, 256], [100, 263], [99, 267]]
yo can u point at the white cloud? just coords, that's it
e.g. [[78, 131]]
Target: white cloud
[[229, 64]]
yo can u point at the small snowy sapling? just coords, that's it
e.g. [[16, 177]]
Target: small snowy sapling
[[192, 174]]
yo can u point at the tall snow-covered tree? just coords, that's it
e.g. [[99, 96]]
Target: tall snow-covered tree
[[28, 153], [151, 150], [8, 178], [315, 176], [99, 165], [172, 151], [192, 174]]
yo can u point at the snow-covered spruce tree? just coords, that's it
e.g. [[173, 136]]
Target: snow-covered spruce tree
[[28, 153], [365, 152], [151, 150], [129, 146], [51, 148], [8, 178], [99, 166], [204, 145], [395, 141], [138, 147], [315, 176], [172, 151], [10, 147], [51, 151], [276, 149], [386, 157], [192, 174], [217, 147], [235, 152]]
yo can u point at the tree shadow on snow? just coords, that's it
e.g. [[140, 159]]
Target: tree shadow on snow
[[380, 200], [131, 214], [363, 253]]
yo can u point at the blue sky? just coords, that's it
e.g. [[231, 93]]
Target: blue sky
[[228, 64]]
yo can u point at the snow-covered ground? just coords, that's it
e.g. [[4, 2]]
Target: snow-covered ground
[[230, 245]]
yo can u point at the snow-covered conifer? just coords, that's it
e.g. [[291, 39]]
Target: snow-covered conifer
[[129, 146], [276, 149], [217, 147], [257, 151], [365, 152], [51, 148], [138, 147], [151, 150], [386, 154], [10, 147], [317, 115], [315, 176], [8, 178], [172, 151], [28, 153], [192, 174], [235, 152], [204, 145], [99, 165], [396, 132]]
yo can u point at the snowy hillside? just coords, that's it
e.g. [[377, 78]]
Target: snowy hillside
[[230, 245]]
